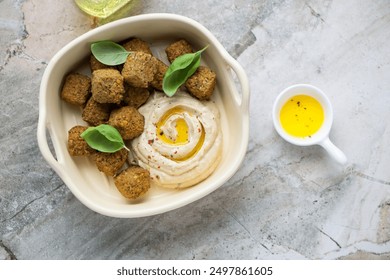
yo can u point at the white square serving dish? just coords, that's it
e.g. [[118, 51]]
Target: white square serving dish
[[92, 187]]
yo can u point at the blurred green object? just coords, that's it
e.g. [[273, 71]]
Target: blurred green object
[[103, 11]]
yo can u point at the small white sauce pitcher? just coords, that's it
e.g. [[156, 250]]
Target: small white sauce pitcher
[[321, 137]]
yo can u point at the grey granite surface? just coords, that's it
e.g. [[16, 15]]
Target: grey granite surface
[[285, 202]]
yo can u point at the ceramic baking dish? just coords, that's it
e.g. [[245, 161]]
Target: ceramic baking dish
[[98, 191]]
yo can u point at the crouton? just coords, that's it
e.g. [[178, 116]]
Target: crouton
[[135, 96], [139, 69], [96, 113], [137, 45], [202, 83], [77, 146], [110, 163], [161, 68], [177, 49], [107, 86], [133, 182], [76, 89], [128, 121]]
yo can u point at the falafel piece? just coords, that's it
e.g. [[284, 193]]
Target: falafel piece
[[96, 64], [161, 68], [137, 45], [96, 113], [128, 121], [139, 69], [133, 182], [177, 49], [77, 146], [110, 163], [135, 96], [107, 86], [76, 89], [202, 83]]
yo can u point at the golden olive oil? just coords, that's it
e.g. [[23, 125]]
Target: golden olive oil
[[180, 126], [301, 116], [182, 136]]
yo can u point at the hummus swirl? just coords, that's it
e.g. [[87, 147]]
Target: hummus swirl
[[182, 141]]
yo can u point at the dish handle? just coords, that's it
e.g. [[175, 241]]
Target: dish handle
[[43, 127], [243, 99]]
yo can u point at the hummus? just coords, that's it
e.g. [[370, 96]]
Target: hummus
[[182, 140]]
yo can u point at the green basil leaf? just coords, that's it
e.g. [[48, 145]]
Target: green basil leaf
[[109, 52], [180, 70], [104, 138]]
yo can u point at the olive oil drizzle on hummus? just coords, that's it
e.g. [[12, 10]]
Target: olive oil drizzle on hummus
[[180, 133]]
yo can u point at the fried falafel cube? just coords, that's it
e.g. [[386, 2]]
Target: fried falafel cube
[[135, 97], [77, 146], [107, 86], [133, 182], [202, 83], [95, 113], [128, 121], [161, 68], [96, 64], [177, 49], [76, 89], [139, 69], [110, 163], [137, 45]]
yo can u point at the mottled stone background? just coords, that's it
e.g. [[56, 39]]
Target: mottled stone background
[[285, 202]]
